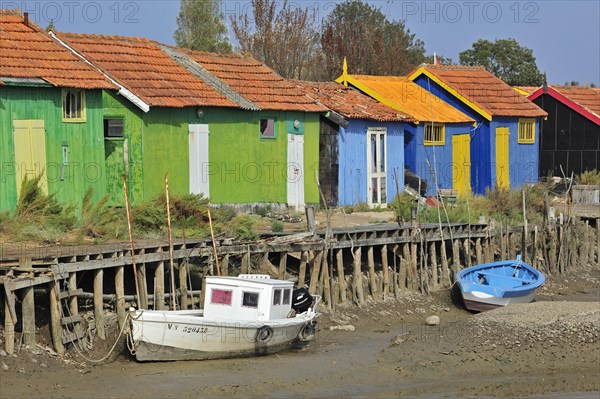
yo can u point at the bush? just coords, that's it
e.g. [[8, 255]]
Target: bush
[[242, 228], [589, 177], [276, 226]]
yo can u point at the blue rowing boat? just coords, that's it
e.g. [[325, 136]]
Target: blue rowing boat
[[491, 285]]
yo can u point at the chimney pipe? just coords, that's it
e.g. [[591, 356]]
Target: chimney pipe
[[26, 18]]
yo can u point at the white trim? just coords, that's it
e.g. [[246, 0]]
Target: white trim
[[122, 90]]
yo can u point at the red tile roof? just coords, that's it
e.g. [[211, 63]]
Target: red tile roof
[[482, 90], [584, 100], [584, 96], [348, 102], [255, 81], [141, 67], [28, 52], [526, 90]]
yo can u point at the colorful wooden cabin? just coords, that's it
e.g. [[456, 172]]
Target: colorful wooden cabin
[[225, 126], [50, 115], [359, 161], [504, 143], [436, 142], [570, 136]]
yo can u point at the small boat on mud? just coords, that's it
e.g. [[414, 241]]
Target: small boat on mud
[[248, 315], [491, 285]]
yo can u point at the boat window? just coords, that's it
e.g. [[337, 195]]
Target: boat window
[[250, 299], [222, 297], [276, 297], [286, 296]]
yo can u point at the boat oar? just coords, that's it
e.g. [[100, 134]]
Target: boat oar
[[137, 289], [170, 242]]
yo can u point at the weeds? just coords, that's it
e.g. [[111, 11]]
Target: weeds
[[276, 226], [589, 177]]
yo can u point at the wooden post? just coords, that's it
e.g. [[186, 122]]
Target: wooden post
[[159, 289], [143, 290], [302, 268], [502, 245], [478, 251], [246, 262], [183, 271], [98, 303], [339, 257], [444, 259], [413, 251], [467, 253], [395, 255], [9, 322], [120, 293], [282, 265], [434, 268], [386, 274], [73, 306], [404, 265], [455, 256], [225, 265], [357, 288], [372, 281], [28, 308], [310, 218], [55, 315], [325, 282], [315, 266]]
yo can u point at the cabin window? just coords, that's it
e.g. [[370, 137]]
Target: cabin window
[[73, 105], [113, 128], [221, 297], [250, 299], [286, 296], [434, 134], [277, 297], [267, 128], [526, 131]]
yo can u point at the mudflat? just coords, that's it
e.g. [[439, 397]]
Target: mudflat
[[549, 348]]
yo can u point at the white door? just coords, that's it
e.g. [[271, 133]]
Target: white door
[[295, 171], [376, 166], [198, 148]]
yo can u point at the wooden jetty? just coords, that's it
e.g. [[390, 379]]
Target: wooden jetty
[[374, 262]]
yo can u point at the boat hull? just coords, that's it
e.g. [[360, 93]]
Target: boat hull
[[166, 336], [498, 284]]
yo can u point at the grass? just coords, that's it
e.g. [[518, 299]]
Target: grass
[[589, 177]]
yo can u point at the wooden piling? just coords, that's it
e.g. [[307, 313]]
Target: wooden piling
[[9, 322], [120, 294], [73, 305], [371, 265], [357, 280], [455, 257], [444, 260], [159, 289], [99, 303], [434, 267], [385, 269], [315, 268], [502, 243], [183, 272], [302, 268], [143, 289], [466, 252], [339, 257], [404, 266], [325, 282], [282, 265], [55, 316], [225, 265], [246, 263], [28, 308], [478, 251]]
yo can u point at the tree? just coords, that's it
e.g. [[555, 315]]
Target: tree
[[506, 59], [286, 40], [371, 43], [201, 26]]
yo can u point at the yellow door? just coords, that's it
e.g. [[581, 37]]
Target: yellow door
[[30, 151], [502, 168], [461, 162]]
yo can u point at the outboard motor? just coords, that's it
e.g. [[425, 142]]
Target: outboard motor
[[301, 300]]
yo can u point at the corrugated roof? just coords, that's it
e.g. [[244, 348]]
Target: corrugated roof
[[141, 67], [587, 97], [348, 102], [256, 82], [27, 51], [407, 97], [480, 90]]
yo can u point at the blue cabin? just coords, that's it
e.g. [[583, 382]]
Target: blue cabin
[[436, 140], [359, 138], [504, 143]]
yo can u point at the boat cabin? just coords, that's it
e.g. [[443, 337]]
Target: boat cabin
[[248, 297]]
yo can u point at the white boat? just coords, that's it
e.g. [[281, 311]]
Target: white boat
[[248, 315]]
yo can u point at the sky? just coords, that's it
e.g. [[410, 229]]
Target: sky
[[564, 35]]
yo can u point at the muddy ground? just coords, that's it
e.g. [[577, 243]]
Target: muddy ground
[[549, 348]]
